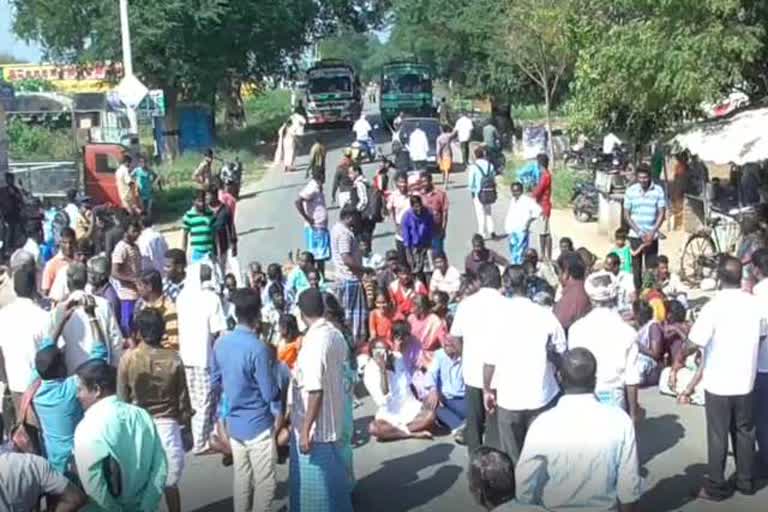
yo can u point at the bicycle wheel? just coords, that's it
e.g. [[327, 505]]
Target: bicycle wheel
[[699, 259]]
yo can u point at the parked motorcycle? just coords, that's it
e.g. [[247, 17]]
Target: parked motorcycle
[[232, 173], [585, 199]]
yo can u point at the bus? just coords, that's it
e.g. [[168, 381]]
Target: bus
[[333, 93], [406, 87]]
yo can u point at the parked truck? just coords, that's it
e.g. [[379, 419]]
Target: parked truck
[[333, 93], [406, 87]]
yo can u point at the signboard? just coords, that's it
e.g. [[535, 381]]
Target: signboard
[[131, 91], [153, 104], [66, 77]]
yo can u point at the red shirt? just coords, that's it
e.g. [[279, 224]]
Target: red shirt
[[402, 297], [436, 202], [542, 193], [229, 200]]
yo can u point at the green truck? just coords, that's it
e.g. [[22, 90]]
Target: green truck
[[405, 87], [333, 93]]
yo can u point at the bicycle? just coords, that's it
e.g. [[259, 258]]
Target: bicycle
[[704, 249]]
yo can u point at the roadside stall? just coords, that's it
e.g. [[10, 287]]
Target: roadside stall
[[725, 188]]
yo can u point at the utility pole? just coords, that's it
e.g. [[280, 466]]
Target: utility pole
[[125, 33]]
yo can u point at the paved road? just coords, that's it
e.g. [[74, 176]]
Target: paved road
[[429, 476]]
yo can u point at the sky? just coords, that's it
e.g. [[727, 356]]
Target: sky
[[9, 43]]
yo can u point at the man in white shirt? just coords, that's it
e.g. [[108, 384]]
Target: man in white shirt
[[523, 210], [445, 278], [518, 377], [201, 320], [624, 282], [610, 339], [580, 455], [362, 129], [481, 322], [152, 246], [463, 130], [730, 329], [760, 263], [77, 334], [24, 325], [418, 147]]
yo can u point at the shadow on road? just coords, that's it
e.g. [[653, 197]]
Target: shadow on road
[[373, 492], [657, 435], [255, 230], [674, 492], [273, 189]]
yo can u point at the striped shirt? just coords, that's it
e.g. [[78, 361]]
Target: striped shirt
[[644, 207], [200, 229]]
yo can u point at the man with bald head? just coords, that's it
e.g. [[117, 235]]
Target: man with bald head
[[592, 464], [100, 285]]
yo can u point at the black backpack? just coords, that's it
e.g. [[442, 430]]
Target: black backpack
[[487, 194]]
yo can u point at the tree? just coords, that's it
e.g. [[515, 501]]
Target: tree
[[644, 66], [541, 45], [8, 58]]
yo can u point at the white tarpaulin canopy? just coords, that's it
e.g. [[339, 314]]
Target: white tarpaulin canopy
[[740, 139]]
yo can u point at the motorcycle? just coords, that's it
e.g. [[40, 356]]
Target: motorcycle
[[232, 173], [585, 200], [363, 150]]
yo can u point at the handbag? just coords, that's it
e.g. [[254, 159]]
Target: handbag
[[25, 436]]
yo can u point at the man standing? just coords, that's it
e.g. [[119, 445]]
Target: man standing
[[608, 337], [204, 172], [523, 210], [581, 454], [525, 384], [311, 207], [362, 129], [150, 288], [418, 148], [152, 246], [644, 209], [359, 200], [444, 113], [542, 193], [126, 266], [318, 479], [24, 327], [482, 187], [198, 225], [480, 338], [201, 320], [119, 455], [760, 262], [436, 201], [463, 130], [398, 203], [175, 272], [341, 181], [417, 237], [100, 285], [64, 257], [492, 142], [126, 187], [152, 377], [574, 302], [242, 367], [348, 261], [78, 337], [316, 160], [224, 232], [730, 328]]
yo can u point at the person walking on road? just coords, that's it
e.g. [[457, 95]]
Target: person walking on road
[[592, 463], [319, 481], [645, 206], [418, 226], [482, 186], [317, 154], [418, 148], [444, 152], [518, 378], [729, 329], [523, 210], [436, 201], [311, 207], [542, 193], [480, 338], [463, 130], [243, 368]]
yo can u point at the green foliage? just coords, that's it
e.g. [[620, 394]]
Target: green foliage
[[28, 143], [265, 113], [650, 64], [33, 85]]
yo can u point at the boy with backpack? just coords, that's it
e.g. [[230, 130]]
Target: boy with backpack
[[482, 186]]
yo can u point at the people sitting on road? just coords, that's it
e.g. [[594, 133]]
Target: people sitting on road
[[481, 254], [405, 289], [399, 414], [445, 381]]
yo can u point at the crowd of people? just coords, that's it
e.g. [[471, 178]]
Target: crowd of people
[[122, 355]]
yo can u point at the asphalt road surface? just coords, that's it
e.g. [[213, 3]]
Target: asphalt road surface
[[430, 475]]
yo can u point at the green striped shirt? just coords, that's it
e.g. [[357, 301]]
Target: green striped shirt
[[200, 229]]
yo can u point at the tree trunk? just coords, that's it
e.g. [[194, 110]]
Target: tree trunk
[[234, 108], [171, 145], [500, 108], [547, 109]]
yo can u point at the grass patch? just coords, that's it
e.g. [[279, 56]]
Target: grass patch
[[564, 179], [30, 143], [264, 114]]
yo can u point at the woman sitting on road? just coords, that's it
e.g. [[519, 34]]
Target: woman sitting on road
[[400, 415]]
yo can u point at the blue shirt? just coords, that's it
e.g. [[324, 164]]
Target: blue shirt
[[143, 180], [476, 172], [445, 374], [59, 411], [417, 229], [644, 207], [243, 368]]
